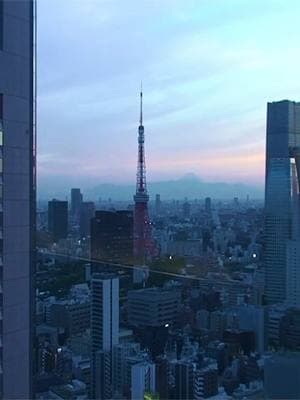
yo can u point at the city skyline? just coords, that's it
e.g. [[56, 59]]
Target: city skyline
[[194, 83]]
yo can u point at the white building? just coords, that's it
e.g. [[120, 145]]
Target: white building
[[104, 330]]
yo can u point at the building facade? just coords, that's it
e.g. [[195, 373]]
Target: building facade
[[76, 200], [112, 236], [142, 379], [152, 307], [184, 380], [104, 331], [17, 196], [58, 219], [281, 193], [87, 212], [205, 383]]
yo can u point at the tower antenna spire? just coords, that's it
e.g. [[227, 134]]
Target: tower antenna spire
[[143, 244], [141, 109]]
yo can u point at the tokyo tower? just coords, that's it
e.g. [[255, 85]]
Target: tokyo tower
[[143, 246]]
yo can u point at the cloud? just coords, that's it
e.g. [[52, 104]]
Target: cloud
[[208, 72]]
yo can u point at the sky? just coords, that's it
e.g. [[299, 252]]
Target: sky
[[208, 69]]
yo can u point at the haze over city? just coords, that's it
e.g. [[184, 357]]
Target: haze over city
[[207, 75], [157, 255]]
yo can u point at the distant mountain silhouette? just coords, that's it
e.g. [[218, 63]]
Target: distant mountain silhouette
[[189, 186]]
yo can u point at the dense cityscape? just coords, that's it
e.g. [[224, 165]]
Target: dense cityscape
[[153, 298], [173, 299]]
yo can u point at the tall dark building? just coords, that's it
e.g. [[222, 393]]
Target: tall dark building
[[112, 236], [87, 212], [157, 204], [282, 195], [58, 219], [208, 205], [17, 196], [76, 200], [205, 383], [184, 380], [162, 374]]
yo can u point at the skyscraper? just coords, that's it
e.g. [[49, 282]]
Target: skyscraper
[[282, 188], [17, 192], [76, 200], [58, 219], [112, 236], [104, 331], [87, 212]]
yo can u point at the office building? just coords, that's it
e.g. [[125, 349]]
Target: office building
[[142, 379], [58, 219], [76, 200], [87, 212], [112, 236], [273, 325], [72, 315], [154, 307], [281, 194], [162, 377], [293, 273], [281, 376], [17, 196], [205, 383], [104, 331], [250, 318], [184, 380], [120, 354], [290, 330]]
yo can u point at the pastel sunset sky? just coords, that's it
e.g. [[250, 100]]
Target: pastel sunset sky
[[208, 68]]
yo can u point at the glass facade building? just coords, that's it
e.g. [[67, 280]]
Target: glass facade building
[[17, 196], [282, 194]]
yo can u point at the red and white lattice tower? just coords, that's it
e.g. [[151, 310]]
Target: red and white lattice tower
[[143, 247]]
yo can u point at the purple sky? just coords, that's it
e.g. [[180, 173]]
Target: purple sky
[[208, 69]]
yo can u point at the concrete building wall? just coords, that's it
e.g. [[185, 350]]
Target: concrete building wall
[[16, 90]]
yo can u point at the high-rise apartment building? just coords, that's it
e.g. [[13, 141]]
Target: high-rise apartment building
[[112, 236], [76, 200], [282, 193], [17, 196], [58, 219], [104, 331]]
